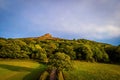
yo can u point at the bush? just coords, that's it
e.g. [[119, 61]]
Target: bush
[[60, 61]]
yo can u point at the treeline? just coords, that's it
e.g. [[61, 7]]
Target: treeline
[[42, 50]]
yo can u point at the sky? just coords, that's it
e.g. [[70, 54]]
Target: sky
[[97, 20]]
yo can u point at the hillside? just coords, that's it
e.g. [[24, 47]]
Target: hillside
[[93, 71], [46, 36], [41, 48]]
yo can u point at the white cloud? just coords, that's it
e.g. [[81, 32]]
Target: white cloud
[[91, 30], [104, 32], [74, 18]]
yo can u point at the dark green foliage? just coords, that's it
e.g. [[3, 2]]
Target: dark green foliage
[[81, 49], [68, 49], [59, 61], [114, 53], [84, 52], [11, 49], [100, 55]]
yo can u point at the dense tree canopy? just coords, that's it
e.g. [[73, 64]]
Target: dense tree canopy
[[37, 48], [60, 61]]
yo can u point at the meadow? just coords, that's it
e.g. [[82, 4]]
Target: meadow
[[93, 71], [31, 70], [20, 69]]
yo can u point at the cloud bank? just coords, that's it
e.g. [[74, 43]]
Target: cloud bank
[[90, 19]]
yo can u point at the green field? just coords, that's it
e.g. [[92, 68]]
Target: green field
[[20, 70], [31, 70], [93, 71]]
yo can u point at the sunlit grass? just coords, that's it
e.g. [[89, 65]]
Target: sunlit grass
[[93, 71], [20, 70], [31, 70]]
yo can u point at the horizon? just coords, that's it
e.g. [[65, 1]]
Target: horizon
[[58, 37], [78, 19]]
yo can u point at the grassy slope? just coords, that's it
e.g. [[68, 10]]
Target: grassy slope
[[30, 70], [20, 70], [93, 71]]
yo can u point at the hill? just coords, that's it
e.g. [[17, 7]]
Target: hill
[[46, 36], [41, 48]]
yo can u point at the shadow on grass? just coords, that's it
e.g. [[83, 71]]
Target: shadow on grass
[[15, 68], [35, 74]]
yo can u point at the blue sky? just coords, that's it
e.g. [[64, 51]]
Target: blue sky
[[97, 20]]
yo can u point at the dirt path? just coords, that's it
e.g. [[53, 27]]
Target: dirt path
[[53, 75]]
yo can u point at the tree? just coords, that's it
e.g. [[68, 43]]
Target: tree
[[49, 47], [12, 49], [40, 53], [84, 52], [67, 50], [114, 53], [70, 51], [60, 61], [117, 55]]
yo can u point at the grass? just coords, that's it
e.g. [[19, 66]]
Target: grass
[[20, 69], [60, 76], [44, 76], [31, 70], [92, 71]]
